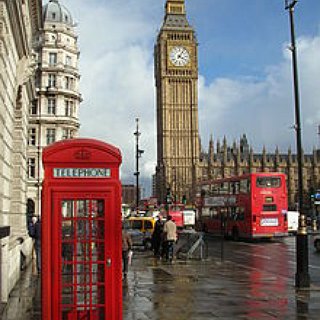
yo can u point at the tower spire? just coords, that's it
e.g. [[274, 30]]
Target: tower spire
[[175, 7]]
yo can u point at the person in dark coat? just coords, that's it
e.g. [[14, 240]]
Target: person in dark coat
[[126, 247], [35, 233], [157, 237]]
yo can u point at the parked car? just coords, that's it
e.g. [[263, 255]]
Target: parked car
[[316, 243], [140, 230]]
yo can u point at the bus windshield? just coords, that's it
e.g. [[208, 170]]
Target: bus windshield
[[268, 182]]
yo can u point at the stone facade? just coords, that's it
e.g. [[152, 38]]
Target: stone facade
[[54, 115], [20, 22]]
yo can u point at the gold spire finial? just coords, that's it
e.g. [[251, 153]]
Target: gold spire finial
[[175, 7]]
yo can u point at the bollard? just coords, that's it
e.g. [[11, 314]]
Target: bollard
[[314, 225]]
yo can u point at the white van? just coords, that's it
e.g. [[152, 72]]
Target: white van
[[293, 221]]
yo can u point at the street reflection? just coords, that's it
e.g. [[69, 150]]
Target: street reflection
[[302, 304], [172, 292], [268, 292]]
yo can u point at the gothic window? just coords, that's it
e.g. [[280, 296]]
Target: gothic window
[[51, 136], [30, 208], [31, 168], [52, 106], [32, 136], [52, 58]]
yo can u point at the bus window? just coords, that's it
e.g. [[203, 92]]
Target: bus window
[[269, 207], [244, 186], [241, 213], [233, 187], [224, 188], [268, 182], [213, 213]]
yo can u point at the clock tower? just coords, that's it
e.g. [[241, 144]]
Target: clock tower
[[176, 78]]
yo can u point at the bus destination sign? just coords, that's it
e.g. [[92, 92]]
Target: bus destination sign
[[81, 173]]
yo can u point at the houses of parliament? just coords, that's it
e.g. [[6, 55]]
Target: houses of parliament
[[181, 162]]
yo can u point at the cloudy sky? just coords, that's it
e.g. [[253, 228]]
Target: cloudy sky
[[245, 77]]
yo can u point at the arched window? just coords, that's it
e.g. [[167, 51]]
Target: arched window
[[30, 211]]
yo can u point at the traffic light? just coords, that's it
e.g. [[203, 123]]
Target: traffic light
[[184, 199]]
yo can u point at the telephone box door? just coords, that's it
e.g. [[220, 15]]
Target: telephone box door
[[83, 256]]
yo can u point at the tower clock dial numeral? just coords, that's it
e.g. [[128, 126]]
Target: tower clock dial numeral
[[179, 56]]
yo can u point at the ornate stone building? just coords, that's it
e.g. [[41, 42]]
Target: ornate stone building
[[180, 164], [176, 76], [54, 114], [20, 22]]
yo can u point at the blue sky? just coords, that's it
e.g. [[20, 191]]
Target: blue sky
[[246, 36], [245, 76]]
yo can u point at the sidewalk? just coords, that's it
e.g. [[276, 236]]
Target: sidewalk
[[25, 299], [190, 290]]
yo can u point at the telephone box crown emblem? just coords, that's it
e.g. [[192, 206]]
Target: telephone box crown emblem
[[82, 154]]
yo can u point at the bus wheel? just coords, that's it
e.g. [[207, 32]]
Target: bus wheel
[[235, 234]]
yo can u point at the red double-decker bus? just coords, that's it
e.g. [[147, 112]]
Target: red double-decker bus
[[249, 206]]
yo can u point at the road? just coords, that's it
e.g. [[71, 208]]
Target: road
[[276, 256]]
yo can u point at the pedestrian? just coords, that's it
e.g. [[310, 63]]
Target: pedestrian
[[126, 247], [157, 237], [170, 237], [35, 233]]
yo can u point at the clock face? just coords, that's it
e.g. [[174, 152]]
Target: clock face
[[179, 56]]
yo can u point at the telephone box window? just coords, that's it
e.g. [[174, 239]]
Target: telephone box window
[[83, 254]]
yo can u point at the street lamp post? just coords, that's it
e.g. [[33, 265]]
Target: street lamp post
[[139, 152], [302, 254]]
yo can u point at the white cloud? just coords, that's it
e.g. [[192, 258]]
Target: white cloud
[[264, 109], [116, 64]]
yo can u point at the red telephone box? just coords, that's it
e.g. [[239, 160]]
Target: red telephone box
[[81, 231]]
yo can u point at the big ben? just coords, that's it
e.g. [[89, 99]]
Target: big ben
[[176, 77]]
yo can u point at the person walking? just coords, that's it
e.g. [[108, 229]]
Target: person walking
[[170, 236], [157, 237], [35, 233], [126, 247]]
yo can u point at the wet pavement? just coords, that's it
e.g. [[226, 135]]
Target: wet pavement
[[192, 289], [213, 290]]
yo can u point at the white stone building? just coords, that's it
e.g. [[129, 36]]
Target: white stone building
[[54, 115], [20, 22]]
